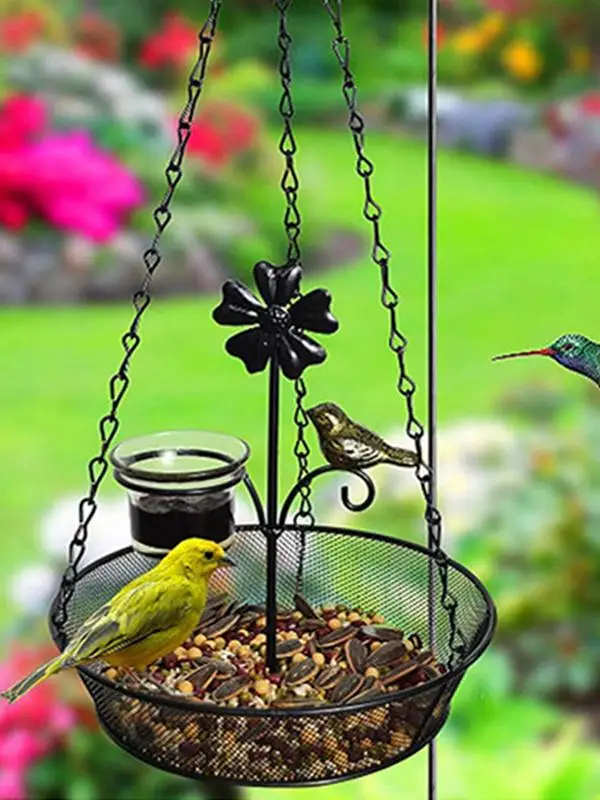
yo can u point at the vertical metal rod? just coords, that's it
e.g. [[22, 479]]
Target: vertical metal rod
[[272, 485], [432, 8]]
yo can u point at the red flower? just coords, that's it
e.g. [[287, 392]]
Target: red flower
[[221, 132], [98, 38], [512, 8], [441, 34], [590, 104], [170, 47], [20, 31]]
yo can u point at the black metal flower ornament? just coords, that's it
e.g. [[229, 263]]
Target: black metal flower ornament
[[279, 327]]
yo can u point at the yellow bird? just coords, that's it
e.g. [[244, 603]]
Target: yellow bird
[[145, 620]]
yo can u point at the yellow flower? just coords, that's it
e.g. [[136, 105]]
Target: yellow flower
[[522, 60], [469, 41], [580, 59], [492, 26]]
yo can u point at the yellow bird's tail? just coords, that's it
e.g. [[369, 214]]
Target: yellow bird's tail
[[37, 676]]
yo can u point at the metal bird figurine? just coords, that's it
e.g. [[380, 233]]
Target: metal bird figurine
[[573, 351], [348, 445]]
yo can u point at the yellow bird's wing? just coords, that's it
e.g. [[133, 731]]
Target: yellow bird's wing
[[130, 617]]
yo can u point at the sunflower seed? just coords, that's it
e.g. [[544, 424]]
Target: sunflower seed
[[312, 624], [312, 647], [347, 688], [405, 669], [232, 608], [382, 634], [248, 618], [329, 677], [224, 668], [260, 608], [356, 655], [202, 676], [416, 641], [209, 615], [337, 637], [431, 672], [368, 684], [301, 672], [284, 613], [386, 654], [220, 626], [368, 694], [216, 601], [297, 702], [232, 687], [304, 607], [288, 648]]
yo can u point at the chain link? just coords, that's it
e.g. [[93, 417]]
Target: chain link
[[119, 383], [381, 255], [292, 220], [290, 182]]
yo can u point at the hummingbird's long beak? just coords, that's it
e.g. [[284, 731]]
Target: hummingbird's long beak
[[544, 351]]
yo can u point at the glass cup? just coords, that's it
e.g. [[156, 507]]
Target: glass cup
[[180, 485]]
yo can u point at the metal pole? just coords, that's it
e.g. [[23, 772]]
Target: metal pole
[[272, 485], [432, 14]]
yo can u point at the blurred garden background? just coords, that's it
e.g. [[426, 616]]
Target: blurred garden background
[[89, 96]]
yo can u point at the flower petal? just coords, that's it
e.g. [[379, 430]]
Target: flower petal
[[277, 285], [253, 347], [312, 312], [265, 277], [296, 352], [238, 307]]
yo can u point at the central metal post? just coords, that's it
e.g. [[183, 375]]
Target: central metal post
[[432, 336], [272, 491]]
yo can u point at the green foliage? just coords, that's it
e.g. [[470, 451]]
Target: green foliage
[[92, 767], [542, 540]]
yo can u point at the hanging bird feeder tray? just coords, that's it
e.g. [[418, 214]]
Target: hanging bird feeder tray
[[328, 653]]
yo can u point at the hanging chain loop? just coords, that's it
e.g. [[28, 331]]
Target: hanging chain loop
[[290, 183], [119, 383], [292, 221], [397, 342]]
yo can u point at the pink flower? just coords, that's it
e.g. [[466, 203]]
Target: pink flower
[[63, 178], [20, 748], [12, 785], [62, 719], [23, 116], [79, 188]]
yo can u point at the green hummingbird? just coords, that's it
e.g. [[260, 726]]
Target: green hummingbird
[[573, 351], [348, 445]]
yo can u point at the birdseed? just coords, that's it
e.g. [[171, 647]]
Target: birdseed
[[224, 661]]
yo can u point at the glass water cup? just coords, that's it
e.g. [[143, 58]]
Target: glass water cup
[[180, 485]]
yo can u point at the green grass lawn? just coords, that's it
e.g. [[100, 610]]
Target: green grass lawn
[[518, 265]]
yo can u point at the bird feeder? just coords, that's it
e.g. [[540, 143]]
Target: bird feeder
[[180, 484]]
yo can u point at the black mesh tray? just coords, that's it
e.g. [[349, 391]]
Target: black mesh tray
[[269, 747]]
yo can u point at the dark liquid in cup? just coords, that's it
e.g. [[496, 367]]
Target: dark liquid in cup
[[164, 522]]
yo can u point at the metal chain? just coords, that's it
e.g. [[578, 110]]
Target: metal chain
[[380, 255], [290, 182], [119, 383], [292, 220]]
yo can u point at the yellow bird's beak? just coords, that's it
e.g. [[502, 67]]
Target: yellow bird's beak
[[227, 561]]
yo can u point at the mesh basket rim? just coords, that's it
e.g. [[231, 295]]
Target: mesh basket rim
[[490, 618]]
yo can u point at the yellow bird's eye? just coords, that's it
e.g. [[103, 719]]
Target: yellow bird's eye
[[208, 554]]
